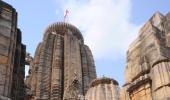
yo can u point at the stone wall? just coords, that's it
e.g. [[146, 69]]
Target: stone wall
[[18, 85], [147, 71], [12, 55]]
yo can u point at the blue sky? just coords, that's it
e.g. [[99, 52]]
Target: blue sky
[[108, 26]]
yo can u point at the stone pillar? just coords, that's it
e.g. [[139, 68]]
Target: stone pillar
[[18, 85], [33, 74], [38, 76], [72, 60], [85, 69], [161, 81], [88, 67], [46, 57], [57, 69], [90, 64], [8, 34]]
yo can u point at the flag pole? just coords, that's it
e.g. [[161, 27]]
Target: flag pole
[[65, 15]]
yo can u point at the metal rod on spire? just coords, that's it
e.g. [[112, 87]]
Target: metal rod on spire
[[65, 14]]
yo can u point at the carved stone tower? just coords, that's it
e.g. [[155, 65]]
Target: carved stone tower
[[147, 72], [63, 66]]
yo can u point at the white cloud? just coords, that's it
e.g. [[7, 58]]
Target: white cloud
[[105, 24]]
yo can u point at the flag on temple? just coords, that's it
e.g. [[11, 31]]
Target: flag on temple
[[65, 14]]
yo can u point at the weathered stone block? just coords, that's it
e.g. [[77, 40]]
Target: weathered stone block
[[149, 56], [3, 59], [4, 31]]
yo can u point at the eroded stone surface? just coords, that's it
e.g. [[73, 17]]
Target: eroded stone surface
[[12, 55], [58, 58], [103, 89], [147, 71], [63, 66]]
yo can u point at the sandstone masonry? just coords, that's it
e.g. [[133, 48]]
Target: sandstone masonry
[[147, 73], [12, 55], [63, 66]]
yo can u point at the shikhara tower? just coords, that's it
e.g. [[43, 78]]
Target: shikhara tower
[[63, 67], [62, 63]]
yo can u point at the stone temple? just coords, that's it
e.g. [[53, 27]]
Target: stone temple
[[63, 67], [147, 73]]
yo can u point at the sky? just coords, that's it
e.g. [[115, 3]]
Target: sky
[[108, 26]]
